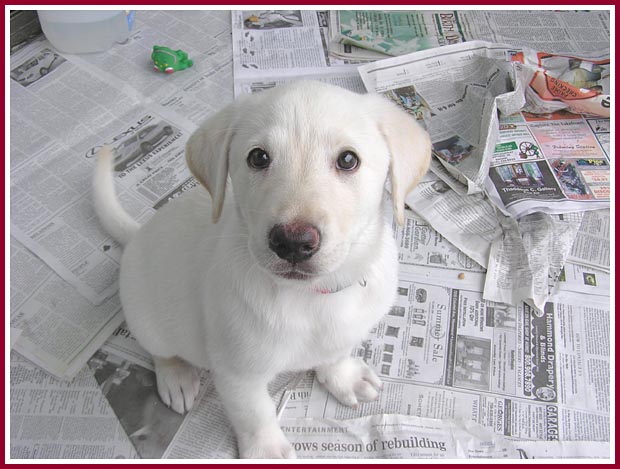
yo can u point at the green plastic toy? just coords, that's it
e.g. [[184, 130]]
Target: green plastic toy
[[168, 60]]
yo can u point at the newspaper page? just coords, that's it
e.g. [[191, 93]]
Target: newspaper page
[[51, 323], [52, 419], [538, 245], [471, 220], [59, 120], [126, 376], [556, 163], [51, 206], [592, 246], [553, 163], [400, 32], [445, 353], [274, 46], [452, 84], [393, 33], [409, 437], [193, 94]]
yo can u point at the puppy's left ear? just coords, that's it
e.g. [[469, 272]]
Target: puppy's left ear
[[410, 150], [207, 152]]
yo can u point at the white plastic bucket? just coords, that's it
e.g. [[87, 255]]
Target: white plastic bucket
[[84, 31]]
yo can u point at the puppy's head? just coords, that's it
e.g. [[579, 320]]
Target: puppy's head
[[308, 163]]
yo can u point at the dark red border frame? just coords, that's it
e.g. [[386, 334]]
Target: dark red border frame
[[563, 6]]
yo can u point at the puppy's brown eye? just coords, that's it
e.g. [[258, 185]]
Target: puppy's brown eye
[[258, 159], [347, 161]]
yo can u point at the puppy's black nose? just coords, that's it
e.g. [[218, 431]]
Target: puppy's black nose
[[294, 242]]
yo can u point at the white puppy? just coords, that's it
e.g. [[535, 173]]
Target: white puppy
[[287, 269]]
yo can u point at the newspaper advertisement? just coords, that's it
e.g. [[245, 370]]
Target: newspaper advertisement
[[445, 353], [554, 82], [554, 162], [399, 32], [52, 419], [444, 89], [393, 33]]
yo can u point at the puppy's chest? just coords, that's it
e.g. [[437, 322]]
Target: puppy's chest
[[319, 331]]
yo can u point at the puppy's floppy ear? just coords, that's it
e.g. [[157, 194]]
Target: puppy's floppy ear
[[410, 150], [207, 153]]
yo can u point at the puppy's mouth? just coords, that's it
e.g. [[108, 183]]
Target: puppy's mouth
[[294, 274]]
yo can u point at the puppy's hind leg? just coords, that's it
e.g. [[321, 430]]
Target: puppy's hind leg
[[350, 380], [178, 383]]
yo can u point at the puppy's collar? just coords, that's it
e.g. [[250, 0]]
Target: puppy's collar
[[327, 291]]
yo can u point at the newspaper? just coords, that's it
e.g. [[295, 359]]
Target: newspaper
[[408, 437], [516, 166], [51, 323], [392, 33], [126, 375], [443, 89], [101, 98], [274, 46], [592, 245], [537, 245], [125, 372], [400, 32], [51, 419], [112, 98], [457, 369], [445, 353], [554, 163]]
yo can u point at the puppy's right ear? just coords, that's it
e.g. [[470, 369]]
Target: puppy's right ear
[[207, 152]]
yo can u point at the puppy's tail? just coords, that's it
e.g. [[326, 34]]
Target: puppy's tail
[[116, 221]]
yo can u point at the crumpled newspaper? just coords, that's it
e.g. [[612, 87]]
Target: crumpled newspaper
[[553, 82]]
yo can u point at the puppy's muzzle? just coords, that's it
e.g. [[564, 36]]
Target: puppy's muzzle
[[294, 242]]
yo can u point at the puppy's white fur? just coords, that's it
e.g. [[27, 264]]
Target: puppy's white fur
[[200, 286]]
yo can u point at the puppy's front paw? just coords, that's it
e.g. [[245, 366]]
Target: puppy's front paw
[[350, 381], [178, 383], [266, 444]]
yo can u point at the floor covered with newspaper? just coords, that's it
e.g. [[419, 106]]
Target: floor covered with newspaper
[[500, 343]]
